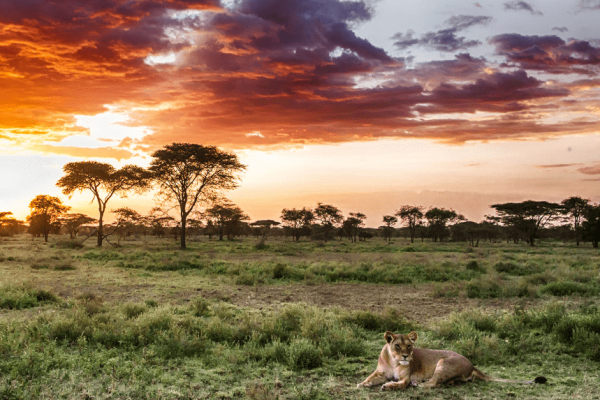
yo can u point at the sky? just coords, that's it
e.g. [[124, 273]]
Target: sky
[[367, 105]]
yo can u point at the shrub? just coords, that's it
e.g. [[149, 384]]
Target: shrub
[[133, 310], [69, 244], [279, 271], [389, 320], [246, 278], [200, 307], [568, 288], [483, 289], [261, 245], [473, 265], [303, 354], [15, 297]]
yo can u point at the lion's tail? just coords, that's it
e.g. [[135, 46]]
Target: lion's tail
[[478, 374]]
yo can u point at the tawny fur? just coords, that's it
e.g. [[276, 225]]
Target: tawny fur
[[400, 364]]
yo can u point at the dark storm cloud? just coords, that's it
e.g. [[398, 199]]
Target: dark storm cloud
[[548, 53], [445, 39], [521, 6], [560, 29], [499, 92]]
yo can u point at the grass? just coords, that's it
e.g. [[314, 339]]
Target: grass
[[129, 323]]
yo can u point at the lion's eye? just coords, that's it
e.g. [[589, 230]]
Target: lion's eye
[[409, 346], [397, 346]]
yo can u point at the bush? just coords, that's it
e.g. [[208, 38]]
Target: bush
[[389, 320], [15, 297], [69, 244], [261, 245], [303, 354], [133, 310], [568, 288], [483, 289], [279, 271], [473, 265]]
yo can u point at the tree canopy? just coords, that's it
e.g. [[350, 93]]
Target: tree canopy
[[189, 174], [411, 216], [575, 208], [528, 216], [226, 217], [298, 221], [45, 214], [74, 222], [104, 181]]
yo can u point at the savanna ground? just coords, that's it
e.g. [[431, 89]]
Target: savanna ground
[[283, 320]]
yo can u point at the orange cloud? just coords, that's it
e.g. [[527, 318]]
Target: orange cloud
[[295, 71]]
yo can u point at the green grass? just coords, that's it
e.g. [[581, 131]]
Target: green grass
[[225, 351], [19, 297], [128, 323]]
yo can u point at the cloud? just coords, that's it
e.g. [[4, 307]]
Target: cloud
[[560, 29], [551, 166], [548, 53], [295, 71], [445, 39], [592, 170], [589, 4], [521, 6]]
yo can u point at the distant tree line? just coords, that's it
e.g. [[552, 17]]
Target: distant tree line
[[190, 179]]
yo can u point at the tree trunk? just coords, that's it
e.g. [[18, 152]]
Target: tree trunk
[[100, 231], [182, 245]]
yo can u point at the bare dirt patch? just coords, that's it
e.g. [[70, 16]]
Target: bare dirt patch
[[416, 302]]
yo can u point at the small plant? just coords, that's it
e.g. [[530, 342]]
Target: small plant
[[261, 245], [484, 289], [568, 288], [279, 271], [15, 297], [151, 303], [473, 265], [303, 354], [69, 244], [200, 307], [133, 310]]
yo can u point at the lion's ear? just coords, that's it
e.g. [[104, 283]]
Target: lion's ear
[[389, 336], [413, 336]]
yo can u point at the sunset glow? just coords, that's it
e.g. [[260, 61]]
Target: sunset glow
[[365, 105]]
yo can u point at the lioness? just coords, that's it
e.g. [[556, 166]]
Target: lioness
[[401, 362]]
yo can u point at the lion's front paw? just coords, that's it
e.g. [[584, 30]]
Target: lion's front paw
[[386, 386]]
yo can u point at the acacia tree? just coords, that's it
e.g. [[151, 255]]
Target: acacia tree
[[226, 217], [591, 224], [45, 214], [298, 221], [575, 207], [528, 216], [438, 220], [104, 181], [74, 222], [190, 174], [388, 229], [328, 216], [411, 216], [9, 225], [352, 225], [264, 226]]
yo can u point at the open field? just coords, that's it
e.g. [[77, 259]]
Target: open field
[[238, 319]]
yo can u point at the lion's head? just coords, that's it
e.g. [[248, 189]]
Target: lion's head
[[401, 346]]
